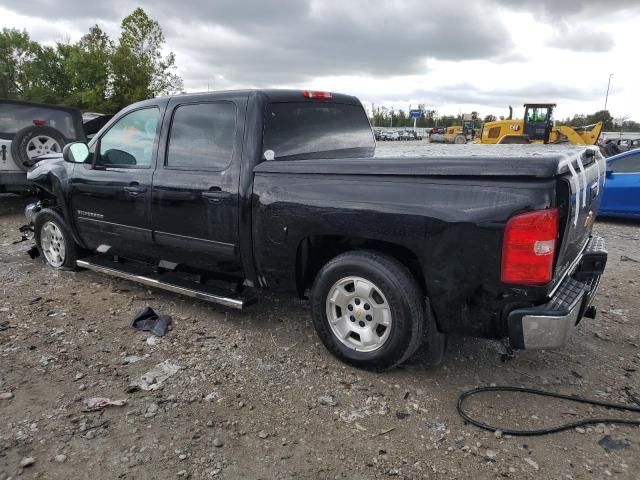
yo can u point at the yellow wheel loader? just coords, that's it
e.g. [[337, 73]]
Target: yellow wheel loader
[[538, 127]]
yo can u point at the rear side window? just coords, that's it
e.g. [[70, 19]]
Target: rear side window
[[15, 117], [316, 130], [202, 136], [630, 164]]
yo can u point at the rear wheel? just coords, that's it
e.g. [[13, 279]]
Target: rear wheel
[[54, 241], [460, 140], [368, 310]]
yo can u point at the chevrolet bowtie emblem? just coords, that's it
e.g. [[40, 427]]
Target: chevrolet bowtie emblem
[[358, 312]]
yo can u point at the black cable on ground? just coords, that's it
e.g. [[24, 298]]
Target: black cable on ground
[[543, 393]]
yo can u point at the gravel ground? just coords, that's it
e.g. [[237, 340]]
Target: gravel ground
[[257, 396]]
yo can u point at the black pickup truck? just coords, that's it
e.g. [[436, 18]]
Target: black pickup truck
[[214, 195]]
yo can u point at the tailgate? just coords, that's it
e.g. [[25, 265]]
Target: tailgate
[[580, 188]]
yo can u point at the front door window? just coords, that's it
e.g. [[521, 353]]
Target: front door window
[[130, 141]]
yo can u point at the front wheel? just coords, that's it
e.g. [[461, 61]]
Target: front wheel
[[368, 310], [54, 241]]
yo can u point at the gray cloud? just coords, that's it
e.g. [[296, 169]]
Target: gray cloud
[[268, 42], [582, 40], [465, 93], [234, 43], [560, 10]]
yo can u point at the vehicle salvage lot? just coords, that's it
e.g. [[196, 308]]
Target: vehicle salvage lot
[[258, 396]]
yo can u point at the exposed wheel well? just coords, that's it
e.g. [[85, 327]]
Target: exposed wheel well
[[315, 251]]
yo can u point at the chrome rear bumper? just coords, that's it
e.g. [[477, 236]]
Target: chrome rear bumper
[[550, 325]]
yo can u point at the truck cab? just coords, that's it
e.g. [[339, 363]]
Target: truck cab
[[538, 121]]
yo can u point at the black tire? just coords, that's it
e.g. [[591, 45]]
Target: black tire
[[514, 140], [70, 248], [20, 145], [403, 295]]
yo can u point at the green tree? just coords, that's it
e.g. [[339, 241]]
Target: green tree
[[17, 56], [139, 69], [87, 67]]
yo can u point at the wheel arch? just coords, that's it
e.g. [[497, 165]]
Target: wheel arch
[[315, 251]]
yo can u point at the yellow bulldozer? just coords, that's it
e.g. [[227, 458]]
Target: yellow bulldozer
[[538, 127]]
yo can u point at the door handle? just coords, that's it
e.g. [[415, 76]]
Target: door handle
[[215, 195], [134, 189]]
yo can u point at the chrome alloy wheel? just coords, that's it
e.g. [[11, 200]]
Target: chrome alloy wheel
[[359, 314], [52, 243], [42, 145]]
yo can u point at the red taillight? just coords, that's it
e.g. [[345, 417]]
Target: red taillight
[[529, 248], [40, 123], [316, 95]]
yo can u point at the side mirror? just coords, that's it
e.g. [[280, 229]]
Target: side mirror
[[76, 152]]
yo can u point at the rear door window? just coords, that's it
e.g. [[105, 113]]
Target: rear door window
[[14, 117], [202, 136], [316, 130], [630, 164]]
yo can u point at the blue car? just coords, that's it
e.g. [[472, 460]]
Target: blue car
[[622, 186]]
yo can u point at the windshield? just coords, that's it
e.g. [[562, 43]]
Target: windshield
[[324, 130]]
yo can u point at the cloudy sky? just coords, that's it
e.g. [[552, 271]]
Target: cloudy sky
[[453, 56]]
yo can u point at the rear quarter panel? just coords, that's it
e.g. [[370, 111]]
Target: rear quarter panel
[[452, 225]]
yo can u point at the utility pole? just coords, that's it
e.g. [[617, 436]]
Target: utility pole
[[606, 98]]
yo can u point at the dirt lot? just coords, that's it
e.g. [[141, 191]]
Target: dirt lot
[[257, 395]]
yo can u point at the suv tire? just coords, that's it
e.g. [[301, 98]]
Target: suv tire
[[31, 142]]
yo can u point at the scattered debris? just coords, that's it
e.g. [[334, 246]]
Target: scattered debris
[[327, 400], [129, 359], [98, 403], [624, 258], [27, 462], [6, 396], [609, 443], [149, 321], [402, 415], [217, 442], [262, 434], [60, 458], [5, 325], [384, 432], [154, 377], [533, 464], [440, 427]]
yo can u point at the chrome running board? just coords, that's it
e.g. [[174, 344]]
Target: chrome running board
[[202, 294]]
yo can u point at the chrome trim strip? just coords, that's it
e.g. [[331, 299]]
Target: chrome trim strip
[[226, 301], [570, 268]]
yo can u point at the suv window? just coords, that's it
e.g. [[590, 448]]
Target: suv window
[[317, 130], [630, 164], [15, 117], [129, 142], [202, 136]]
